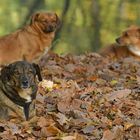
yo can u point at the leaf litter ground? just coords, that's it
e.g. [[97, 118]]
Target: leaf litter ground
[[85, 97]]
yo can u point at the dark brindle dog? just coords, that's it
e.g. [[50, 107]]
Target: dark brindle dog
[[18, 88]]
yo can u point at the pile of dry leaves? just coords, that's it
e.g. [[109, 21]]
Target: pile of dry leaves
[[84, 97]]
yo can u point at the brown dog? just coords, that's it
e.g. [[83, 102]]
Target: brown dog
[[30, 42], [128, 44], [18, 88]]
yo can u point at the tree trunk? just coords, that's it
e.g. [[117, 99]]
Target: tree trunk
[[63, 16], [96, 25], [35, 5]]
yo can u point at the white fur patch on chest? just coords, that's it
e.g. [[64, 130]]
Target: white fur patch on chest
[[46, 49], [134, 50], [26, 94]]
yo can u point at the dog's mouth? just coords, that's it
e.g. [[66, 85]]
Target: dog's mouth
[[25, 85], [119, 42], [49, 29]]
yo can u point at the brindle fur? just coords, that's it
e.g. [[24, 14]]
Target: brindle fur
[[18, 88]]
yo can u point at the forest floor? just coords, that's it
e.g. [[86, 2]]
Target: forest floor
[[85, 97]]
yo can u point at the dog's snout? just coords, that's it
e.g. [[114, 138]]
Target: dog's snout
[[24, 83], [50, 28]]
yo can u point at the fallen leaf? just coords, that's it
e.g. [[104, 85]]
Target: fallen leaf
[[108, 135], [62, 119], [50, 131], [128, 125], [69, 138], [118, 94], [88, 129]]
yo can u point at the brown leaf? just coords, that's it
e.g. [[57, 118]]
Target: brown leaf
[[118, 94], [69, 138], [14, 128], [42, 122], [92, 78], [50, 131], [108, 135], [79, 136], [88, 129], [62, 119], [64, 105]]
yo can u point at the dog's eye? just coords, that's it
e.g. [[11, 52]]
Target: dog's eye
[[30, 71]]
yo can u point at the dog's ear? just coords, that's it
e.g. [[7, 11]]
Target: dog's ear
[[38, 71], [58, 21], [139, 31], [5, 73], [34, 18]]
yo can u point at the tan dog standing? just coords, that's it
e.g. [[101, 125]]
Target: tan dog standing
[[30, 42], [128, 44]]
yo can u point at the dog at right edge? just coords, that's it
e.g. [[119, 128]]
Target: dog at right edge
[[127, 45]]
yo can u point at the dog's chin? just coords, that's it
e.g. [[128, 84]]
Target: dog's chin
[[25, 86]]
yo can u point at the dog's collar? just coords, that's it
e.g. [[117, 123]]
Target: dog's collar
[[134, 50]]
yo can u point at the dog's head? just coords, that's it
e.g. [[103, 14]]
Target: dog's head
[[130, 37], [46, 22], [20, 74]]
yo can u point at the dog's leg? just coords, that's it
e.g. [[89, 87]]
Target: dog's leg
[[26, 110]]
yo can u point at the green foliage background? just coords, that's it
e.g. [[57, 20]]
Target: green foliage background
[[87, 24]]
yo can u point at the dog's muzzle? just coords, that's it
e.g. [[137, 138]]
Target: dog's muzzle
[[49, 28], [24, 83]]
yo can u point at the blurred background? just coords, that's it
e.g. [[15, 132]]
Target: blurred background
[[87, 25]]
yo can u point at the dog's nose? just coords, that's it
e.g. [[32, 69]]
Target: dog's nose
[[50, 28], [118, 40], [25, 84]]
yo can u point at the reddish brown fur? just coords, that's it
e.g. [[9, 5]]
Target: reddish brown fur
[[30, 42], [129, 38]]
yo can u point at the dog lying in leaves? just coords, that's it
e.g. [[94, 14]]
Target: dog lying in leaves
[[30, 42], [128, 44], [18, 88]]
